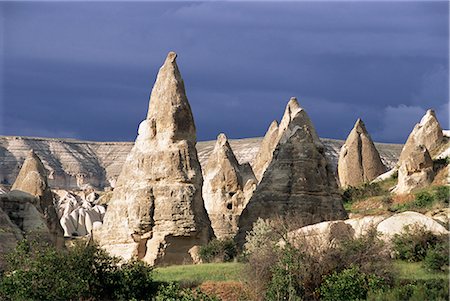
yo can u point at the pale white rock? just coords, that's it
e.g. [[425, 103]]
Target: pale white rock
[[386, 175], [415, 171], [396, 224], [359, 160], [156, 212], [224, 190], [446, 133], [427, 133]]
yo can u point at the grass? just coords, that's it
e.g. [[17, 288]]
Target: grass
[[199, 273], [415, 271]]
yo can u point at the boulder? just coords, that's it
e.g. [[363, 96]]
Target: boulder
[[359, 160], [427, 133], [396, 224], [415, 171], [299, 183], [223, 188], [156, 212]]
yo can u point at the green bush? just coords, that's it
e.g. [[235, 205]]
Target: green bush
[[286, 273], [423, 199], [437, 256], [432, 290], [351, 194], [442, 194], [413, 243], [349, 284], [173, 292], [82, 273], [218, 251]]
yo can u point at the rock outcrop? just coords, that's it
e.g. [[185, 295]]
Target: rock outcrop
[[78, 215], [416, 170], [359, 160], [30, 203], [98, 164], [265, 153], [156, 212], [299, 183], [10, 234], [226, 189], [396, 224], [427, 133]]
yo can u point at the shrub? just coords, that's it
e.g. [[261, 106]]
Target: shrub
[[218, 251], [173, 292], [442, 194], [412, 244], [349, 284], [284, 283], [414, 291], [82, 273], [364, 191], [436, 257], [423, 199]]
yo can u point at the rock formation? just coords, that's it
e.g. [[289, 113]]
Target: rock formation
[[223, 188], [78, 216], [10, 234], [359, 160], [298, 184], [416, 170], [427, 133], [265, 153], [30, 203], [156, 212], [99, 163]]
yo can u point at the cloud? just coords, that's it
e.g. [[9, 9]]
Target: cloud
[[398, 122]]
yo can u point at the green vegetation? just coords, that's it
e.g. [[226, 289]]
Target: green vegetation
[[199, 273], [83, 273], [415, 271], [366, 190], [349, 284], [173, 292], [425, 199], [218, 251]]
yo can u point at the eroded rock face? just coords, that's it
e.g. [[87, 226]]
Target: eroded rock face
[[265, 153], [427, 133], [359, 160], [78, 215], [225, 191], [298, 184], [30, 201], [10, 234], [156, 212], [416, 170]]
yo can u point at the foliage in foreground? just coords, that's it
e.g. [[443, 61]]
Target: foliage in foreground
[[173, 292], [82, 273], [218, 251]]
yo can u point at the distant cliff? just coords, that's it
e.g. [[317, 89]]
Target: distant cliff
[[74, 164]]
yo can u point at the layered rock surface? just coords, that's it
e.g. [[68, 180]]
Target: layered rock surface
[[30, 205], [75, 164], [227, 188], [156, 212], [359, 160], [299, 183]]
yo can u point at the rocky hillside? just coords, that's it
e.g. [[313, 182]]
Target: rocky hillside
[[74, 164]]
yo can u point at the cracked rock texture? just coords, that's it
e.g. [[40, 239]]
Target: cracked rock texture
[[298, 184], [359, 160], [226, 189], [156, 212]]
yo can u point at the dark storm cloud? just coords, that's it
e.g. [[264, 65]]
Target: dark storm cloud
[[86, 69]]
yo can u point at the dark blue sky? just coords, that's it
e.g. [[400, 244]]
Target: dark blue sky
[[85, 70]]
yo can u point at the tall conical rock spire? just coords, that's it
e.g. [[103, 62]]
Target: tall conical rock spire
[[156, 212], [225, 188], [359, 160], [298, 184]]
